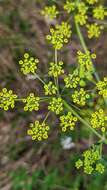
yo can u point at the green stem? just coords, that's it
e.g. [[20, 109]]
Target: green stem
[[46, 117], [40, 79], [84, 46], [83, 121], [56, 79], [81, 37], [19, 99], [101, 149], [41, 99]]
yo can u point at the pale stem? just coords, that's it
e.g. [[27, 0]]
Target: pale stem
[[84, 46], [46, 117], [41, 80], [56, 79]]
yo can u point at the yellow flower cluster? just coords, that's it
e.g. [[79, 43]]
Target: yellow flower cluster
[[59, 35], [7, 99], [80, 96], [91, 162], [32, 103], [102, 87], [82, 8], [28, 64], [71, 81], [81, 17], [99, 12], [50, 11], [99, 120], [91, 2], [38, 131], [100, 168], [69, 6], [56, 105], [50, 88], [56, 69], [85, 64], [85, 59], [94, 30], [67, 121]]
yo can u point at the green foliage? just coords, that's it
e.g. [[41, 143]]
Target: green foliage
[[21, 179], [54, 179]]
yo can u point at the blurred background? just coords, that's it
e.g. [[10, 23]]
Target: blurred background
[[50, 165]]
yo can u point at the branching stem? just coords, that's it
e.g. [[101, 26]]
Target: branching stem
[[84, 122]]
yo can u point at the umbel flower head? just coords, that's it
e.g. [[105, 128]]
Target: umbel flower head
[[100, 168], [50, 89], [81, 19], [80, 96], [85, 64], [56, 105], [99, 12], [67, 121], [94, 30], [38, 131], [59, 35], [99, 120], [81, 16], [7, 99], [82, 8], [91, 162], [28, 64], [50, 11], [32, 103], [55, 69], [71, 81], [69, 6], [102, 87]]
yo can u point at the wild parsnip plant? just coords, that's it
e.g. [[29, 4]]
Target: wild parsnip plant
[[68, 99]]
